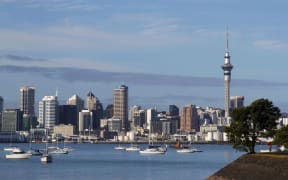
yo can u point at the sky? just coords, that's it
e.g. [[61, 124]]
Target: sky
[[165, 51]]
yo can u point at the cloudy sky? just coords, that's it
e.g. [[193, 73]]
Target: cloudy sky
[[165, 51]]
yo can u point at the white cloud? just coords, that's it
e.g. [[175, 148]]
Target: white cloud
[[270, 44]]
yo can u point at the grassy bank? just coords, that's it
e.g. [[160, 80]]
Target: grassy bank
[[260, 166]]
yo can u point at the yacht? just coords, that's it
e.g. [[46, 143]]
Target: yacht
[[18, 154], [10, 148], [119, 147], [46, 158], [133, 148], [152, 149]]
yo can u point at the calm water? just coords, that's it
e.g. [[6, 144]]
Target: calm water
[[101, 161]]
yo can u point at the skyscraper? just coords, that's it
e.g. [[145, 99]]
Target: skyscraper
[[121, 105], [189, 119], [91, 101], [237, 102], [27, 100], [227, 68], [76, 100], [48, 112]]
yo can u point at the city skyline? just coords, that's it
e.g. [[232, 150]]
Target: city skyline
[[166, 52]]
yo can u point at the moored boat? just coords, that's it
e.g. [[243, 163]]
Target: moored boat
[[18, 154], [133, 148], [152, 149]]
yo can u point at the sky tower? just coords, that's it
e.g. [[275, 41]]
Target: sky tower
[[227, 68]]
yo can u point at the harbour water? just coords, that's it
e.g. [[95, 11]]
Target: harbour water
[[101, 161]]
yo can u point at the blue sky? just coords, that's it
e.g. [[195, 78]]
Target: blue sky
[[165, 51]]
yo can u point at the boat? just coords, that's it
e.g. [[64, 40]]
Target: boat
[[153, 149], [57, 150], [133, 147], [34, 152], [119, 147], [186, 150], [18, 154], [46, 157], [10, 148]]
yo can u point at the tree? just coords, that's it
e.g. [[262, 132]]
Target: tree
[[281, 136], [248, 123]]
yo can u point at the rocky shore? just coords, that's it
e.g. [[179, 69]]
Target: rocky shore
[[261, 166]]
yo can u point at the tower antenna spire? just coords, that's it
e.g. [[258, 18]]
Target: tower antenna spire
[[227, 38]]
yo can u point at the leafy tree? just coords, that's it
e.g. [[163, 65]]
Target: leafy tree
[[281, 136], [248, 123]]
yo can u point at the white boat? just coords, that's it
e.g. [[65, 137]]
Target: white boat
[[152, 149], [186, 150], [34, 152], [46, 158], [18, 154], [133, 148], [119, 147], [10, 148], [56, 150]]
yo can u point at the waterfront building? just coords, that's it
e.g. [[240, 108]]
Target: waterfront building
[[137, 117], [76, 100], [65, 130], [114, 125], [120, 104], [237, 102], [27, 100], [68, 114], [12, 120], [48, 116], [189, 120], [151, 115], [85, 121], [227, 68], [213, 132]]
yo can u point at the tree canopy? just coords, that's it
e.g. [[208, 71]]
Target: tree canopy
[[250, 122], [281, 136]]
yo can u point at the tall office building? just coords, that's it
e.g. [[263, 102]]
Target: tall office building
[[12, 120], [137, 117], [27, 100], [121, 106], [237, 102], [91, 101], [68, 114], [189, 120], [227, 68], [48, 112], [76, 100]]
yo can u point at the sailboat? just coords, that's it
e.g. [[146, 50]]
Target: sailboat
[[34, 152], [10, 148], [46, 157], [153, 149]]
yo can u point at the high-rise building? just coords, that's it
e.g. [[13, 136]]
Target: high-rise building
[[12, 120], [189, 120], [227, 68], [27, 100], [151, 116], [85, 121], [237, 102], [173, 110], [68, 114], [76, 100], [91, 101], [121, 106], [137, 117], [48, 112]]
